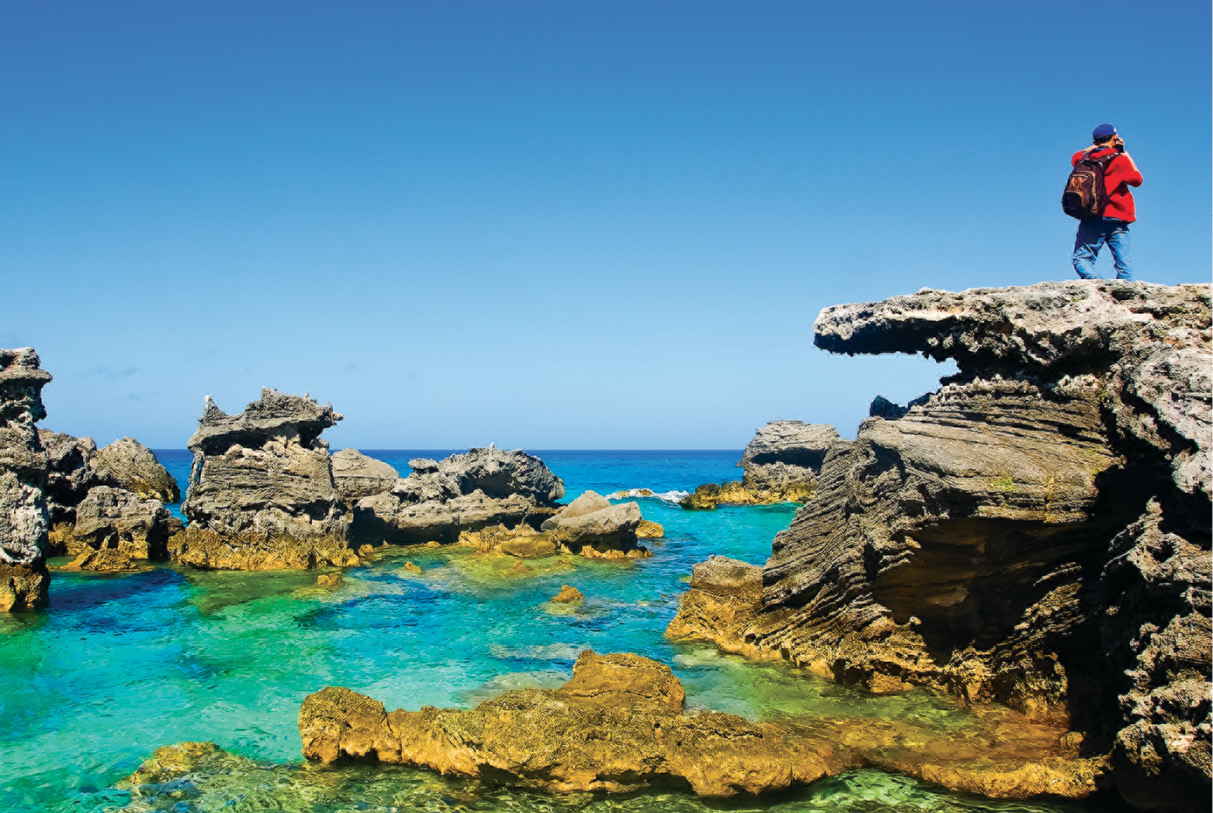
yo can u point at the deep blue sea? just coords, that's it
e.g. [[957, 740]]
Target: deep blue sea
[[121, 664]]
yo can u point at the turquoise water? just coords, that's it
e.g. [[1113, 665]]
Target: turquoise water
[[122, 664]]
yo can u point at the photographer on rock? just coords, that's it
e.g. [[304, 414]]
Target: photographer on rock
[[1112, 227]]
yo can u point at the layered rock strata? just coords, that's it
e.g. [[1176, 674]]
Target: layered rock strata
[[780, 465], [1036, 533], [75, 466], [358, 476], [464, 492], [261, 491], [620, 723], [24, 579], [593, 526]]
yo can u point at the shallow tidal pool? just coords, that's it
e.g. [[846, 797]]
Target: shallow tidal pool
[[122, 664]]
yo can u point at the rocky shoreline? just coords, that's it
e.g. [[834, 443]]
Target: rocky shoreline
[[1032, 539]]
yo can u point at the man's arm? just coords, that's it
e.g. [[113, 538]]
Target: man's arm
[[1132, 175]]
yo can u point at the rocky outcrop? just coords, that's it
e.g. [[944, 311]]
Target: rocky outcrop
[[129, 464], [24, 578], [593, 526], [464, 492], [116, 519], [522, 541], [1036, 533], [620, 723], [780, 465], [358, 476], [722, 600], [261, 492], [75, 466]]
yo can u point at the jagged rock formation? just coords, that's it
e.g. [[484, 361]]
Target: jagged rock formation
[[358, 476], [75, 466], [129, 464], [119, 520], [464, 492], [1036, 533], [780, 465], [261, 493], [24, 578], [593, 526], [620, 723], [720, 604]]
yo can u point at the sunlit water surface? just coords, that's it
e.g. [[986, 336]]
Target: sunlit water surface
[[119, 665]]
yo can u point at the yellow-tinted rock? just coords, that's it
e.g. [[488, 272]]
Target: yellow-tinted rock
[[329, 579], [649, 530], [412, 568], [567, 595], [711, 495]]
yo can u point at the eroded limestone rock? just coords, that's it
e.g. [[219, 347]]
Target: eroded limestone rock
[[593, 526], [780, 465], [115, 519], [464, 492], [620, 722], [1034, 533], [24, 578], [261, 492], [358, 476], [129, 464]]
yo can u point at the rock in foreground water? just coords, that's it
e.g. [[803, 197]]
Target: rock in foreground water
[[620, 723]]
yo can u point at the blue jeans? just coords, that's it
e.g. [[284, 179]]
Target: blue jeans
[[1092, 234]]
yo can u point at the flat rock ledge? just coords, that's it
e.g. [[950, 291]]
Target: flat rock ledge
[[620, 723], [780, 466]]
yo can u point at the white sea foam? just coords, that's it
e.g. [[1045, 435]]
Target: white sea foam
[[673, 497]]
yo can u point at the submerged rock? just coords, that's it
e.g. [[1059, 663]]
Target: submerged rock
[[780, 465], [464, 492], [1035, 533], [522, 541], [568, 595], [24, 577], [620, 723], [261, 492]]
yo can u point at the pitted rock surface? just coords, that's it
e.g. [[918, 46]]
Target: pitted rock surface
[[1035, 533], [780, 465], [464, 492], [620, 723], [24, 523], [129, 464], [358, 476], [261, 491], [593, 526]]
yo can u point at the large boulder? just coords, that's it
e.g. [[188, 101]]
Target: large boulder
[[593, 526], [620, 723], [261, 491], [129, 464], [24, 578], [720, 604], [116, 519], [780, 465], [358, 476], [464, 492], [1035, 533], [70, 473]]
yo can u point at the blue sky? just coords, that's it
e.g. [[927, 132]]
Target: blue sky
[[552, 224]]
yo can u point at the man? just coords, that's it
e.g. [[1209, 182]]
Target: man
[[1113, 228]]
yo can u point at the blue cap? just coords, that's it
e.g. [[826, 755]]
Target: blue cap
[[1103, 131]]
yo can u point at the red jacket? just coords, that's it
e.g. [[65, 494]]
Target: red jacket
[[1118, 177]]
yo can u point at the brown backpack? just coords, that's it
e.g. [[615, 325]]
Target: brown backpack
[[1086, 194]]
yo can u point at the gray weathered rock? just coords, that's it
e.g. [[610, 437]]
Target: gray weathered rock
[[129, 464], [593, 526], [358, 476], [121, 520], [1035, 533], [70, 473], [464, 492], [263, 480], [780, 465], [23, 519]]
